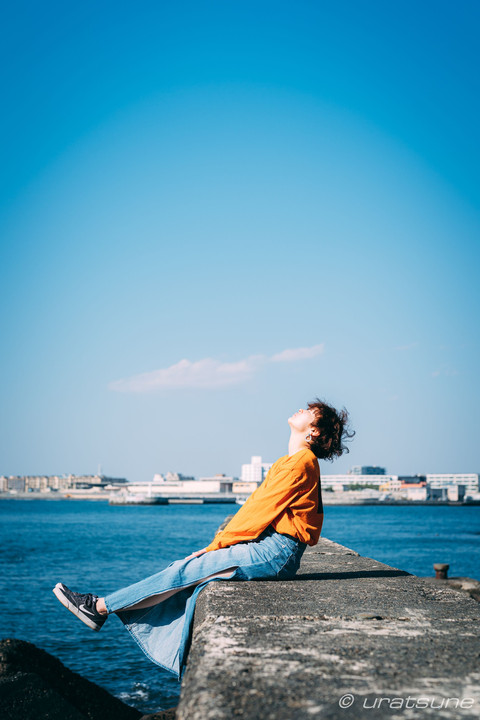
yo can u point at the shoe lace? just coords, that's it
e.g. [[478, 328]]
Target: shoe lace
[[91, 602]]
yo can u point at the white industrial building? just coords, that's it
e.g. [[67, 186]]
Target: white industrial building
[[255, 471], [341, 482], [414, 492], [179, 486], [470, 480]]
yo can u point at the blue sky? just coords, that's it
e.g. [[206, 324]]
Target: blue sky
[[212, 212]]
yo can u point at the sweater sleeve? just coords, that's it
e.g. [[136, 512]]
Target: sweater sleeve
[[271, 498]]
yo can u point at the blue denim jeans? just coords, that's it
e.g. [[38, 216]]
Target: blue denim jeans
[[163, 631]]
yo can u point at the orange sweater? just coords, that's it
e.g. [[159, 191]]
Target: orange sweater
[[289, 499]]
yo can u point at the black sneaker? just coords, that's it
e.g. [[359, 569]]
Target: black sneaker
[[83, 606]]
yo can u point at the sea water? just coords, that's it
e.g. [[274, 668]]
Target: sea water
[[93, 547]]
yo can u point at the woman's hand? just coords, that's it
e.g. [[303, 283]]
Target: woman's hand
[[196, 554]]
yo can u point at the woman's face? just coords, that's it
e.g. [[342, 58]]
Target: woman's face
[[302, 420]]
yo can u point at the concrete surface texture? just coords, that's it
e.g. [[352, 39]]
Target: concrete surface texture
[[349, 637]]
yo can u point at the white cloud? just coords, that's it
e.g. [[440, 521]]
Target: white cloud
[[207, 373], [295, 354]]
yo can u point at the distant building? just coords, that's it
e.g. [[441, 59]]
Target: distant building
[[175, 477], [225, 483], [16, 484], [367, 470], [172, 477], [456, 493], [470, 480], [342, 482], [412, 479], [413, 487], [415, 492], [244, 488], [393, 484], [423, 491], [189, 486], [47, 483], [255, 471], [437, 493], [85, 482]]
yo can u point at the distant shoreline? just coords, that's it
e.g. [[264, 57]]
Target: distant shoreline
[[338, 502], [403, 502]]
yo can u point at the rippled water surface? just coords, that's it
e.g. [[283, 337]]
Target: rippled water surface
[[94, 547]]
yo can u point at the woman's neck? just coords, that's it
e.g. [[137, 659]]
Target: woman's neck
[[297, 442]]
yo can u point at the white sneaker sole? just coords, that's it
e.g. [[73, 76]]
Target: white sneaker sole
[[57, 591]]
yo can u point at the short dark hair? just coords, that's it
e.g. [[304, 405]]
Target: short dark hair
[[333, 431]]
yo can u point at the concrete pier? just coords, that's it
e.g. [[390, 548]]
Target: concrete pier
[[349, 637]]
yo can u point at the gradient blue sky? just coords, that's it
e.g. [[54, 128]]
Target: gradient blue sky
[[190, 189]]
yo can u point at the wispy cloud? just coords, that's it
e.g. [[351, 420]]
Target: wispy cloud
[[208, 373], [293, 354]]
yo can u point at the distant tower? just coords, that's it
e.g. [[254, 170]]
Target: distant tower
[[367, 470], [255, 471]]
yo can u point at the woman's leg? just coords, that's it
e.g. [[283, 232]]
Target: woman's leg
[[180, 574], [163, 631], [160, 597]]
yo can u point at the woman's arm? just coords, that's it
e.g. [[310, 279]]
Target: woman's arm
[[264, 505], [196, 554]]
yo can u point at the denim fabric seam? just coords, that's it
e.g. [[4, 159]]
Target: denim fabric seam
[[286, 562], [138, 619], [297, 543], [284, 566]]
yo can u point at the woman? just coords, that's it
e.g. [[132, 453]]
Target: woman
[[265, 539]]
